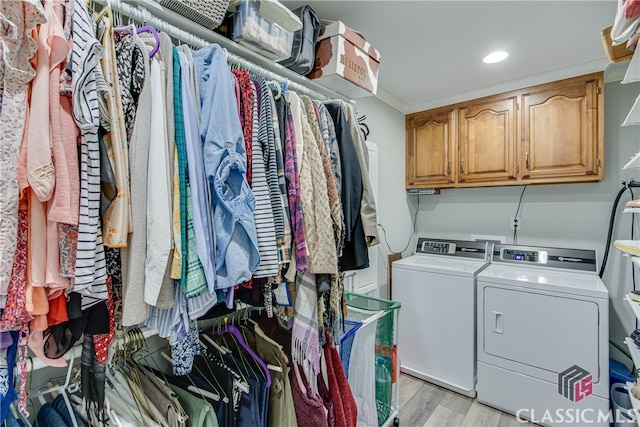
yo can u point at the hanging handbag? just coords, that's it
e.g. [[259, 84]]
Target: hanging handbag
[[303, 51]]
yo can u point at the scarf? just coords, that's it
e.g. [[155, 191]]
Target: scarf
[[306, 344]]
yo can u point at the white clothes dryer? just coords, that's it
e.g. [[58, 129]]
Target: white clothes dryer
[[436, 328], [543, 336]]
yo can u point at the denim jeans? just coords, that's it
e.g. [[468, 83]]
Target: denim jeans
[[49, 417]]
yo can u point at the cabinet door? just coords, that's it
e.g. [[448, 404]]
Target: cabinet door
[[563, 131], [430, 149], [487, 140]]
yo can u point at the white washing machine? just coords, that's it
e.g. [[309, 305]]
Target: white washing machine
[[543, 336], [436, 329]]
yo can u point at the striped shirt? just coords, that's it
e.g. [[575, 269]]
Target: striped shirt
[[284, 242], [90, 271], [266, 135], [263, 213]]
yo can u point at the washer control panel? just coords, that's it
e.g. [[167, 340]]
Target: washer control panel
[[438, 247], [455, 248]]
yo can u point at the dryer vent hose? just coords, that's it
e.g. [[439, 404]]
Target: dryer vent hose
[[625, 186], [612, 220]]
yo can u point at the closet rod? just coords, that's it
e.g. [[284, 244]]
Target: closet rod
[[181, 28]]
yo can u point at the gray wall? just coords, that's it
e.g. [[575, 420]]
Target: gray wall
[[572, 215]]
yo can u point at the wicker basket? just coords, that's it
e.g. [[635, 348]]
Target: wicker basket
[[208, 13]]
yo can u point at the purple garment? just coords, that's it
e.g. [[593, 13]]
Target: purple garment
[[295, 203]]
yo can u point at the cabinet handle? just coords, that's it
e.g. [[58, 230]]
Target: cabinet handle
[[526, 160], [449, 168], [462, 166]]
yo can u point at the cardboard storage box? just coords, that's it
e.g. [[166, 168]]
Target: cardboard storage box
[[346, 62], [618, 53]]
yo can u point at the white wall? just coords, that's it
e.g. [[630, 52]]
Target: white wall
[[571, 215], [387, 132]]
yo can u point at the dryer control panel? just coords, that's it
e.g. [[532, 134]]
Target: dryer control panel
[[537, 256], [569, 259]]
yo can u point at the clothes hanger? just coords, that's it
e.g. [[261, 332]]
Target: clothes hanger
[[119, 393], [247, 327], [231, 329], [193, 388], [163, 387], [144, 29], [225, 398], [206, 379], [276, 86], [139, 343], [239, 380], [248, 363]]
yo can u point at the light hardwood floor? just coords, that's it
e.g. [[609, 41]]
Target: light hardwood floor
[[425, 404]]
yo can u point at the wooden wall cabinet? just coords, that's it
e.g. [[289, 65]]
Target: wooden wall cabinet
[[487, 140], [550, 133], [431, 149]]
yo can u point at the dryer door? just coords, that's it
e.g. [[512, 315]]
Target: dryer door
[[539, 334]]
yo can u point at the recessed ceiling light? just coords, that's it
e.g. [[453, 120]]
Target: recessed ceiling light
[[494, 57]]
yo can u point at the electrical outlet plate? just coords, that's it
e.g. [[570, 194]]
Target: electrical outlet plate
[[516, 223], [487, 238]]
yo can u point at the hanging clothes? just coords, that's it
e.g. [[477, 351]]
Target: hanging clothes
[[90, 269], [159, 231], [134, 309], [203, 225], [319, 230], [332, 191], [284, 242], [263, 212], [355, 253], [18, 48], [328, 130], [225, 166], [368, 210], [116, 217], [163, 172]]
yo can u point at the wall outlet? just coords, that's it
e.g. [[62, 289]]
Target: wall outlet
[[516, 223], [490, 239]]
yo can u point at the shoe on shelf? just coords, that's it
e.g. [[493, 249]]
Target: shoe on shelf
[[633, 204], [631, 247], [635, 296]]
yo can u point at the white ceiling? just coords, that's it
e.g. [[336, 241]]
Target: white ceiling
[[432, 50]]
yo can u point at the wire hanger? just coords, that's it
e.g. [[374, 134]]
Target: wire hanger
[[231, 329]]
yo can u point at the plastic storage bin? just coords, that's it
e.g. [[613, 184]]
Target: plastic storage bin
[[619, 373], [254, 31], [363, 310], [621, 406]]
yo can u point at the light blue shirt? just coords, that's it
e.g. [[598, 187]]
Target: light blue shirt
[[225, 165]]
